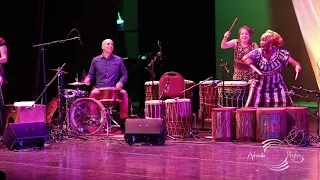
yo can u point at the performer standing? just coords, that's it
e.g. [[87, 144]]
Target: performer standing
[[241, 46], [109, 71], [3, 60], [268, 88]]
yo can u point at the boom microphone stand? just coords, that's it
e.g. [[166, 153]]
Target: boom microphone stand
[[153, 75]]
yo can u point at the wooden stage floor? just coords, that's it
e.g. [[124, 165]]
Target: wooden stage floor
[[112, 158]]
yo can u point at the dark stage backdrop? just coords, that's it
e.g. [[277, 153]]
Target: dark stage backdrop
[[186, 30], [22, 28]]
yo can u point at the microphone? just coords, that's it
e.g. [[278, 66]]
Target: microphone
[[79, 37]]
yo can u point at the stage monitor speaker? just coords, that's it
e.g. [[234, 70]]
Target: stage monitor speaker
[[152, 130], [25, 135]]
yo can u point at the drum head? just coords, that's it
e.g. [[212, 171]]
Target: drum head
[[87, 116], [109, 89], [234, 83]]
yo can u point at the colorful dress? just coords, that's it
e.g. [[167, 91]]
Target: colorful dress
[[269, 90], [242, 72]]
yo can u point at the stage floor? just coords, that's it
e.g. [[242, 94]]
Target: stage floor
[[112, 158], [103, 157]]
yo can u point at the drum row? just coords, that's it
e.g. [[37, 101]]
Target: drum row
[[227, 94], [257, 124]]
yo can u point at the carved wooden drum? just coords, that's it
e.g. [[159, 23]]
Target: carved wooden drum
[[208, 99], [148, 90], [223, 123], [271, 123], [178, 117], [245, 124], [297, 117], [153, 108], [235, 93]]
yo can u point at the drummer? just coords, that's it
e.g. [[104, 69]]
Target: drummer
[[109, 71]]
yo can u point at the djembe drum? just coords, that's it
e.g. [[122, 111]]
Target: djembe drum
[[297, 117], [235, 93], [245, 124], [178, 117], [153, 108], [223, 123], [271, 123], [208, 99], [149, 88]]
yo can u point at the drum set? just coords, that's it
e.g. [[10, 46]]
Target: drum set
[[84, 115]]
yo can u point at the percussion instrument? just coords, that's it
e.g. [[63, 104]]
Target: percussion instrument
[[110, 94], [71, 93], [297, 117], [178, 117], [223, 123], [208, 99], [87, 116], [189, 93], [271, 123], [245, 124], [148, 90], [235, 93], [76, 84], [153, 109]]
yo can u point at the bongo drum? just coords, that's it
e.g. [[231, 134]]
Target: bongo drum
[[148, 90], [178, 117], [298, 117], [271, 123], [245, 124], [208, 99], [235, 93], [223, 123], [152, 109]]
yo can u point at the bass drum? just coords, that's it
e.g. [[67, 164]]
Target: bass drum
[[87, 116]]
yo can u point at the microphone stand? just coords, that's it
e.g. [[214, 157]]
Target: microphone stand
[[152, 75], [43, 94], [317, 93], [222, 75], [163, 107]]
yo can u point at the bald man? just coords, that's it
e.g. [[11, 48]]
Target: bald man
[[109, 71]]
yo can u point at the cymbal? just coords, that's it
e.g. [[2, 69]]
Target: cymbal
[[56, 70], [76, 84]]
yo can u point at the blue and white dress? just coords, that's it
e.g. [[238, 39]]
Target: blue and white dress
[[269, 89]]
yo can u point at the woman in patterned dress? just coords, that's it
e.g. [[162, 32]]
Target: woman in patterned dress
[[243, 45], [268, 88]]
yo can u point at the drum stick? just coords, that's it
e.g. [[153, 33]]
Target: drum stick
[[234, 22]]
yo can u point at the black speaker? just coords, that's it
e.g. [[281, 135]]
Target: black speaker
[[152, 131], [25, 135]]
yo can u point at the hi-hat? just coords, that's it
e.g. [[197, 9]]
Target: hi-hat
[[56, 70], [76, 84]]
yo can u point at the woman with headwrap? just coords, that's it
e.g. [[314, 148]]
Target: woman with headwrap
[[268, 88]]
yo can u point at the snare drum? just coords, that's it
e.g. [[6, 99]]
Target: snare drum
[[235, 93], [208, 99], [110, 94], [153, 109], [271, 124], [178, 117], [148, 90], [87, 116]]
